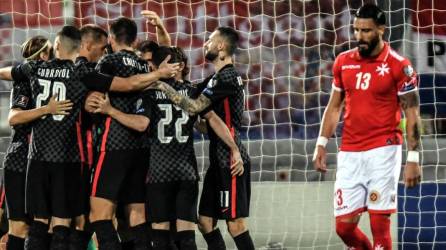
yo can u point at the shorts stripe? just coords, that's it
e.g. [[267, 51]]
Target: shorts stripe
[[234, 178], [2, 197], [80, 142], [101, 157], [89, 148]]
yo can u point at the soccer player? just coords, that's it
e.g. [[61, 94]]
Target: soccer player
[[146, 48], [226, 191], [21, 114], [375, 83], [120, 170], [92, 48]]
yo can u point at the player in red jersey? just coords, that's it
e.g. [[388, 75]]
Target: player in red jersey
[[374, 83]]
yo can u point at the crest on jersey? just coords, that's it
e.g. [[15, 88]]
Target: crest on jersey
[[408, 70], [383, 69], [212, 83], [374, 196], [22, 100], [138, 103]]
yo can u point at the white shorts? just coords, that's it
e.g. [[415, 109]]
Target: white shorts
[[367, 180]]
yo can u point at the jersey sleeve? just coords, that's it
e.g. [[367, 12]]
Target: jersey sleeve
[[94, 80], [21, 95], [22, 72], [220, 87], [406, 78], [337, 79], [105, 65]]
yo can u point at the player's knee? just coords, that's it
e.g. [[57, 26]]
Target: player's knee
[[136, 214], [55, 221], [183, 225], [161, 226], [344, 229], [205, 224], [18, 228], [236, 227], [100, 209]]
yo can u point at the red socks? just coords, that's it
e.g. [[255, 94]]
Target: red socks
[[352, 236], [380, 224]]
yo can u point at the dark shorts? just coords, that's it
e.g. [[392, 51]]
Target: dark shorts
[[52, 189], [223, 196], [120, 176], [14, 184], [169, 201], [85, 190]]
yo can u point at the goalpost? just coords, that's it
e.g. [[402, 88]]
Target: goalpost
[[286, 52]]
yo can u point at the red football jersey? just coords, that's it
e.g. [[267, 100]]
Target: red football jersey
[[372, 85]]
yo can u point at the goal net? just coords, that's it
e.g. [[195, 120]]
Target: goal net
[[286, 52]]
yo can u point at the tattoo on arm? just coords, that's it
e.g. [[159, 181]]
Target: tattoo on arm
[[409, 100], [192, 106], [410, 103]]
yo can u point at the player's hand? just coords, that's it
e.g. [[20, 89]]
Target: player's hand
[[92, 100], [103, 105], [152, 18], [55, 107], [237, 163], [168, 70], [412, 174], [320, 159]]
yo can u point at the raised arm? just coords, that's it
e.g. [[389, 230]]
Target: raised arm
[[328, 126], [226, 136], [162, 35], [410, 103]]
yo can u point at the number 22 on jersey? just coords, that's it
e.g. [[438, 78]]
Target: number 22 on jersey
[[167, 108], [56, 88]]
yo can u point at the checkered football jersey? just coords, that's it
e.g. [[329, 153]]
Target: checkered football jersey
[[226, 91], [172, 155], [114, 135], [17, 152], [54, 138]]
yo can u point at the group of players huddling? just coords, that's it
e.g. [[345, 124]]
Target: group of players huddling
[[103, 143]]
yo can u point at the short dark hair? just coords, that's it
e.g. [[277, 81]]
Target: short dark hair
[[124, 30], [162, 52], [70, 38], [232, 38], [147, 46], [32, 48], [371, 11], [94, 31]]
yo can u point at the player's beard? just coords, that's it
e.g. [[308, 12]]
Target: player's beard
[[366, 52], [211, 55]]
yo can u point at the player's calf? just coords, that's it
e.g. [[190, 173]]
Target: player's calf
[[239, 232], [351, 235], [380, 224], [211, 234], [16, 235], [161, 236], [185, 236], [37, 236]]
